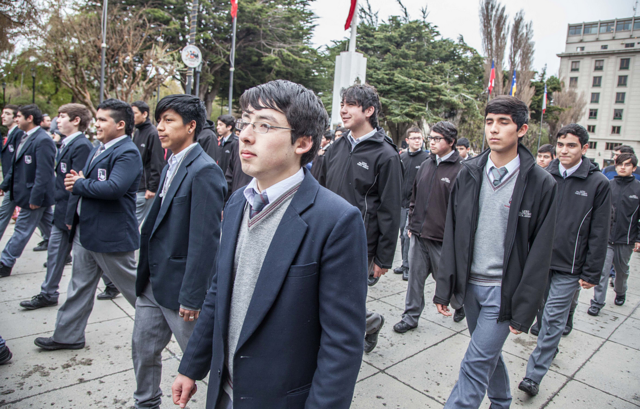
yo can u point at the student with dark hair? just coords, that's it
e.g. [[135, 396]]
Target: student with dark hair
[[624, 234], [462, 145], [178, 244], [282, 322], [73, 120], [610, 171], [105, 229], [29, 182], [496, 251], [226, 140], [584, 211], [364, 168], [427, 214], [340, 131], [545, 155]]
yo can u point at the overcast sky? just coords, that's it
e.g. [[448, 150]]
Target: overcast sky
[[550, 20]]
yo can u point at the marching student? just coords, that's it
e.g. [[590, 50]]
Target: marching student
[[29, 183], [462, 145], [496, 251], [282, 323], [427, 215], [624, 235], [411, 161], [73, 120], [178, 244], [584, 211], [610, 171], [227, 139], [107, 188], [545, 155]]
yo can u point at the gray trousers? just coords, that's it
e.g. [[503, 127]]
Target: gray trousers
[[424, 257], [143, 206], [482, 370], [374, 320], [57, 252], [618, 255], [152, 331], [6, 211], [26, 224], [85, 275], [404, 236], [562, 290]]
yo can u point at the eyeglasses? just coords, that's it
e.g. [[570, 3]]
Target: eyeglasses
[[417, 138], [435, 138], [259, 127]]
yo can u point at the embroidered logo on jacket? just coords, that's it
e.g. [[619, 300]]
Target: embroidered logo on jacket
[[27, 159], [633, 197], [581, 193], [445, 180], [142, 145], [525, 213], [63, 167], [102, 175], [11, 148], [364, 165]]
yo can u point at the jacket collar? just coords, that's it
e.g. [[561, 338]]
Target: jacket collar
[[624, 180], [477, 164], [144, 125], [106, 154], [582, 172]]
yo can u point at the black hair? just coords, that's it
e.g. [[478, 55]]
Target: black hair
[[341, 129], [329, 135], [13, 108], [413, 129], [31, 110], [365, 96], [623, 157], [446, 129], [189, 107], [142, 107], [577, 130], [302, 108], [509, 105], [548, 148], [624, 149], [228, 120], [119, 111], [463, 142]]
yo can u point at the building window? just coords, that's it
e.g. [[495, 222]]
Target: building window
[[591, 29], [625, 63], [636, 25], [623, 25], [622, 80], [620, 97], [612, 145], [617, 114], [592, 129], [573, 82], [578, 49], [593, 145], [597, 82], [604, 47], [575, 30], [593, 114], [615, 130], [575, 65], [606, 27], [595, 97], [629, 45], [599, 66]]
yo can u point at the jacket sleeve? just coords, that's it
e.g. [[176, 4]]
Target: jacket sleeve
[[156, 160], [78, 160], [6, 182], [598, 234], [412, 201], [530, 291], [208, 191], [636, 221], [388, 213], [446, 275], [230, 169], [45, 163], [123, 175], [342, 312]]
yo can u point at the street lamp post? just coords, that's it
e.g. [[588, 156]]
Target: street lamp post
[[192, 41], [33, 77], [104, 48]]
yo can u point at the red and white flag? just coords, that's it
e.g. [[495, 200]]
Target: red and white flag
[[234, 8], [352, 10], [492, 77]]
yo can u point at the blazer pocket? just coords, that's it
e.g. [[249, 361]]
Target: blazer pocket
[[297, 398], [304, 270], [179, 199]]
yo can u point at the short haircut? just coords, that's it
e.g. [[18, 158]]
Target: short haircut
[[119, 111], [47, 115], [228, 120], [508, 105], [446, 129], [577, 130], [77, 111], [463, 142], [31, 110], [365, 96], [302, 108], [548, 148], [624, 149], [341, 129], [142, 107], [623, 157], [13, 108], [189, 107], [329, 135], [414, 129]]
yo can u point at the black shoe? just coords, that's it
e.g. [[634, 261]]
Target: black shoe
[[555, 354], [5, 355], [611, 282], [68, 261], [108, 294], [459, 315], [6, 271], [620, 299], [50, 345], [371, 340], [402, 327], [38, 301], [529, 387], [535, 329], [42, 246], [593, 311], [405, 275], [399, 270], [569, 326], [371, 281]]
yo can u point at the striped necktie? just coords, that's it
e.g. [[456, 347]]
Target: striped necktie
[[498, 174], [260, 200], [98, 152]]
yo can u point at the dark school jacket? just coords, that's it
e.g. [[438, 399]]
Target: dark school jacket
[[625, 218], [430, 196], [224, 151], [236, 178], [411, 162], [152, 154], [8, 149], [370, 178], [531, 224], [584, 217], [208, 140]]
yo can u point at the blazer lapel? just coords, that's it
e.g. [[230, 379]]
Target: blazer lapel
[[27, 143], [65, 149], [156, 199]]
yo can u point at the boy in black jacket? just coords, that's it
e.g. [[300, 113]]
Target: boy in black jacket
[[584, 211], [496, 251], [624, 237]]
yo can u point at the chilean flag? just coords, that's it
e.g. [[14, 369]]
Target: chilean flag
[[352, 10], [234, 8], [492, 77], [544, 99]]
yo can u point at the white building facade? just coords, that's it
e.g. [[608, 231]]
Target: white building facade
[[602, 60]]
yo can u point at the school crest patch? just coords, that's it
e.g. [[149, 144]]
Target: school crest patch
[[11, 148], [27, 159], [102, 175], [63, 167]]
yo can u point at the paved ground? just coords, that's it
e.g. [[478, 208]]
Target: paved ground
[[598, 365]]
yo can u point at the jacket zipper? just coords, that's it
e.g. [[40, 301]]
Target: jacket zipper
[[575, 250]]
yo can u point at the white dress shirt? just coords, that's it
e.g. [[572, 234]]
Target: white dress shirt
[[174, 163], [569, 171], [511, 167], [274, 192]]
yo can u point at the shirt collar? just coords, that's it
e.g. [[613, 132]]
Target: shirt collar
[[114, 141], [177, 157], [12, 128], [274, 192], [70, 138], [511, 166], [363, 138], [445, 157], [31, 132], [570, 171]]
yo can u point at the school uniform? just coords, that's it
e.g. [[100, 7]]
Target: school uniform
[[146, 139], [8, 151], [236, 178]]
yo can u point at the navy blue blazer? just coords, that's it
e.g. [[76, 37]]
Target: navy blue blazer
[[72, 156], [107, 218], [302, 339], [8, 149], [180, 236], [30, 178]]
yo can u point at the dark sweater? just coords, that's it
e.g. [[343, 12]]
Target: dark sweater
[[146, 139], [411, 162]]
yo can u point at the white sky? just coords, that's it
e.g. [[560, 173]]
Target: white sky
[[455, 17]]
